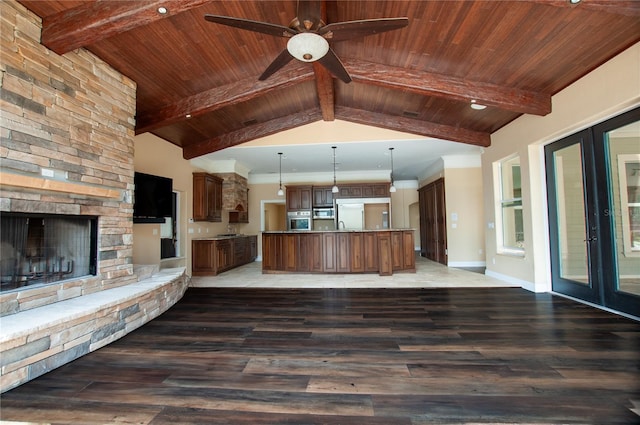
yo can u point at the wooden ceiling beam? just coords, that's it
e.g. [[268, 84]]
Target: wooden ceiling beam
[[324, 87], [219, 97], [250, 133], [617, 7], [91, 22], [444, 86], [410, 125]]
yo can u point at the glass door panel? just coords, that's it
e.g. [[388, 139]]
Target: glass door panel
[[573, 228], [593, 189], [617, 142], [624, 157], [570, 210]]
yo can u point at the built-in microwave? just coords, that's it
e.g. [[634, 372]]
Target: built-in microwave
[[323, 213], [299, 220]]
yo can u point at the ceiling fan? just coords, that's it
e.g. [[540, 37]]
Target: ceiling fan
[[309, 36]]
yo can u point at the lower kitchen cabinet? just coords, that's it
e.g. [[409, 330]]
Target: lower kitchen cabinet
[[382, 252], [213, 256]]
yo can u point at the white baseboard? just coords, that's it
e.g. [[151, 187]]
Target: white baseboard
[[467, 264], [529, 286]]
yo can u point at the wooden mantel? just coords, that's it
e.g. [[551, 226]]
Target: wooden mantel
[[38, 183]]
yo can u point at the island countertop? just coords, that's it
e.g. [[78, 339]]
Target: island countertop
[[382, 251], [221, 236], [340, 230]]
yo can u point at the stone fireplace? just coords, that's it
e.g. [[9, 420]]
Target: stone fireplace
[[40, 249], [67, 129]]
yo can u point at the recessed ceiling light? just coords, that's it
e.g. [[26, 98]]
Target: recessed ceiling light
[[162, 10], [477, 106], [574, 1], [188, 116]]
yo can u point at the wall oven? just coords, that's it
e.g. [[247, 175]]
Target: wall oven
[[299, 220]]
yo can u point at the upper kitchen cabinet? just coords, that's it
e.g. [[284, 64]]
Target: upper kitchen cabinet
[[298, 198], [207, 197], [364, 190], [322, 196]]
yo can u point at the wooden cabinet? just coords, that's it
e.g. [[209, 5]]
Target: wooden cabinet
[[338, 252], [315, 249], [322, 196], [433, 221], [343, 252], [223, 254], [207, 197], [402, 250], [213, 256], [298, 198], [364, 190], [397, 251], [384, 254], [329, 246], [356, 252], [352, 191], [370, 245], [409, 250], [202, 256]]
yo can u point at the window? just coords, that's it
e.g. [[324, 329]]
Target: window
[[510, 230], [629, 190]]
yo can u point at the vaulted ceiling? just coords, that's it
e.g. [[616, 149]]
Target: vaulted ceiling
[[198, 86]]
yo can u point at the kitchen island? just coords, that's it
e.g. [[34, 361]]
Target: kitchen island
[[339, 251]]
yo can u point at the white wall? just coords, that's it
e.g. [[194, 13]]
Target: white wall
[[607, 91]]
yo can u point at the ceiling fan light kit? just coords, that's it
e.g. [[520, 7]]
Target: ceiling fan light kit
[[308, 36], [307, 46]]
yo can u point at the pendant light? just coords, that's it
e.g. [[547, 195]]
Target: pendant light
[[280, 191], [334, 189], [392, 188]]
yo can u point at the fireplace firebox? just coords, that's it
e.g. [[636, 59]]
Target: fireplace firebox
[[41, 249]]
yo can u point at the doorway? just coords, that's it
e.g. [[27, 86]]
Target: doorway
[[169, 231], [593, 187]]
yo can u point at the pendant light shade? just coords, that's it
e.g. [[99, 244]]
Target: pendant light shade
[[280, 191], [392, 188], [334, 189]]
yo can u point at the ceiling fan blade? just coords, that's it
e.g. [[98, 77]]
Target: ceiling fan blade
[[283, 58], [352, 29], [255, 26], [333, 64]]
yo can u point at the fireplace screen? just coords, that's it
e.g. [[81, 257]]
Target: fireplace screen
[[45, 249]]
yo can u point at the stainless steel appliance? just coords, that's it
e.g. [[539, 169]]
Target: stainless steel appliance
[[323, 213], [299, 220], [351, 216]]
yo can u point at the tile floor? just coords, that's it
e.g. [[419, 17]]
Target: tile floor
[[428, 275]]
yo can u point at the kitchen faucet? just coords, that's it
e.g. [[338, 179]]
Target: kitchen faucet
[[341, 223]]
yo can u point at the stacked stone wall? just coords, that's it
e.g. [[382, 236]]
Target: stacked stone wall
[[234, 191], [72, 116]]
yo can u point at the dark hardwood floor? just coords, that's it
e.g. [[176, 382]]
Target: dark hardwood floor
[[352, 356]]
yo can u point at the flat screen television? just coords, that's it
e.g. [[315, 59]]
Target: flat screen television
[[152, 199]]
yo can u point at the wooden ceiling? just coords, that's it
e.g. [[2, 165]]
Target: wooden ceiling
[[198, 81]]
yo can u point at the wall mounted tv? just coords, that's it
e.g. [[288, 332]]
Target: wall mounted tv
[[153, 198]]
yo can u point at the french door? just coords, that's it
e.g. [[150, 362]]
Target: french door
[[593, 187]]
